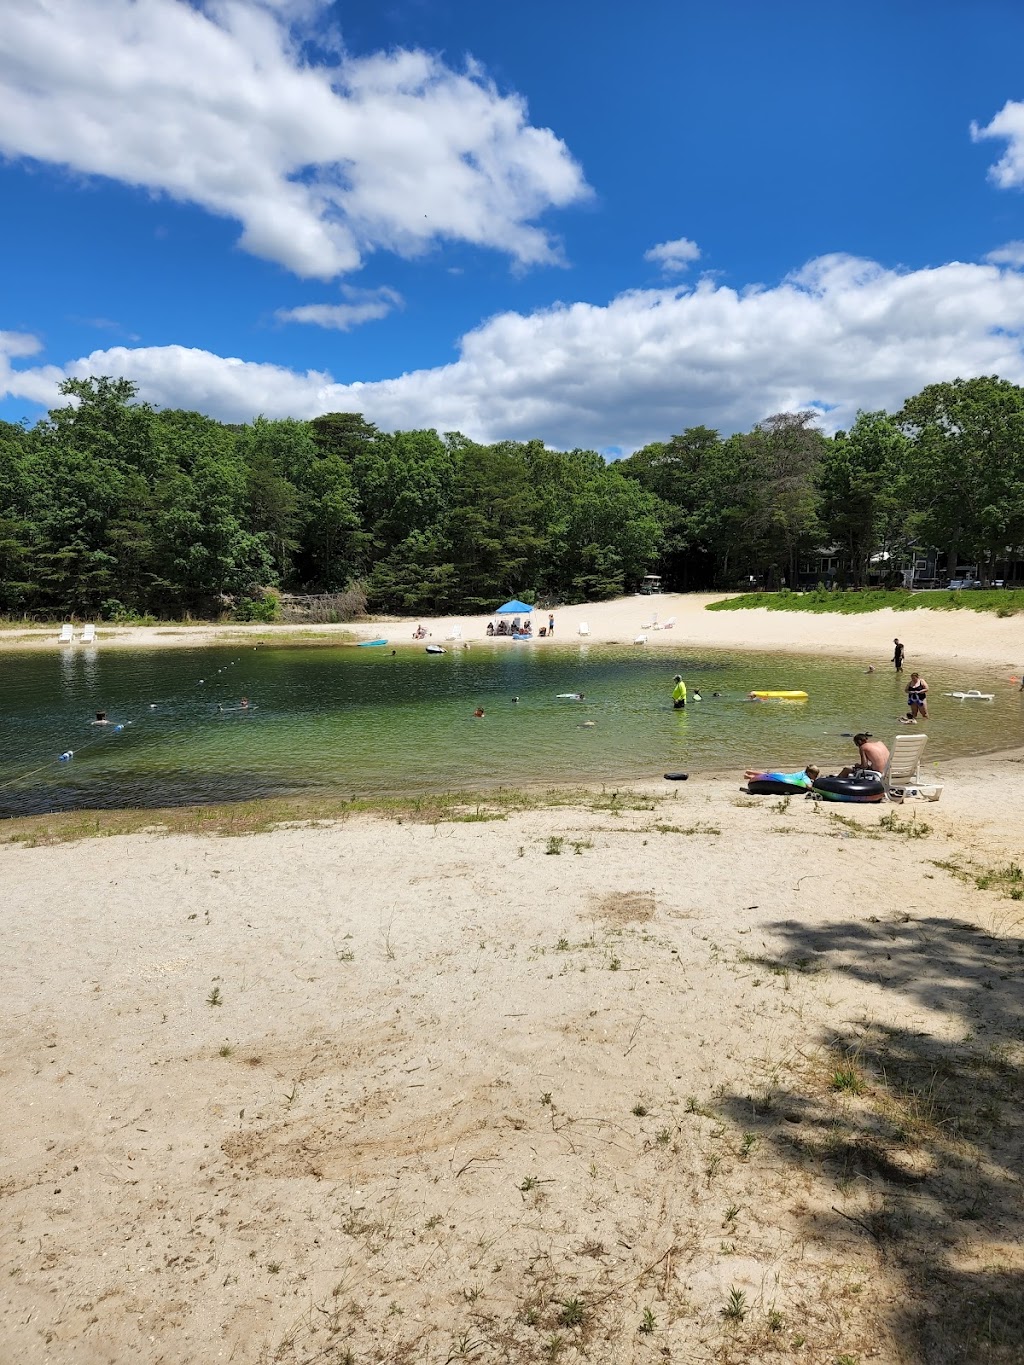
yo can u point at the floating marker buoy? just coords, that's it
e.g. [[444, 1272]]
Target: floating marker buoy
[[118, 729], [68, 754]]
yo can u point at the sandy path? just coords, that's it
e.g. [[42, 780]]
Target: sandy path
[[970, 635], [461, 1098]]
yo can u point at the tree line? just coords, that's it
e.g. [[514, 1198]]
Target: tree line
[[110, 506]]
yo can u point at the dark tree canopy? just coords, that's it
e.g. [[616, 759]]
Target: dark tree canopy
[[110, 506]]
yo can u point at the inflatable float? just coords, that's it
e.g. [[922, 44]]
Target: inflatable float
[[435, 649], [370, 644], [850, 788], [779, 696], [774, 786], [971, 696]]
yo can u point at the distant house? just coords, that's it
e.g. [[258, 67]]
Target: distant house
[[820, 566]]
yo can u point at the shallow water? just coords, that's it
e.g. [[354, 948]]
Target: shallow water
[[363, 721]]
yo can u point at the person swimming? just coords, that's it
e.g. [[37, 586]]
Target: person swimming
[[479, 713], [101, 719]]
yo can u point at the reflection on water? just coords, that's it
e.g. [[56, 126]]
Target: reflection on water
[[363, 720]]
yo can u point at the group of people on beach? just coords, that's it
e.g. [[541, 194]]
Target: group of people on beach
[[525, 629]]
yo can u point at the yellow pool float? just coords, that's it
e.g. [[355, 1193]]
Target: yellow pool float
[[780, 696]]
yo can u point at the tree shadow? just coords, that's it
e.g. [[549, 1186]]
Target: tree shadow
[[917, 1138]]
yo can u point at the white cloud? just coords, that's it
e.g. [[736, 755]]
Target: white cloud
[[364, 305], [841, 333], [673, 256], [1008, 124], [1010, 253], [320, 161]]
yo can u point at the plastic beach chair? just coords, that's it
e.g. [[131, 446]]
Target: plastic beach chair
[[67, 634], [89, 635], [456, 633], [667, 625], [584, 628], [904, 766], [640, 639]]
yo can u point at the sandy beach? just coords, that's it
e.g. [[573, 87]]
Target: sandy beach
[[928, 635], [669, 1075]]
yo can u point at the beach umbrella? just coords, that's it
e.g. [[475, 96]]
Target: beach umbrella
[[513, 608]]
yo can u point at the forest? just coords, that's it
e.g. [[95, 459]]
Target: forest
[[109, 506]]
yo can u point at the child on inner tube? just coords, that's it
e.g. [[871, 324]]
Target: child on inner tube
[[804, 778]]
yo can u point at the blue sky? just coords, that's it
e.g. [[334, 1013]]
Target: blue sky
[[456, 208]]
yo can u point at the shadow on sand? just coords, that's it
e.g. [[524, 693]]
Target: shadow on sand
[[914, 1140]]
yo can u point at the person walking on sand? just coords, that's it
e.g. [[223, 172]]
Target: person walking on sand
[[897, 656], [678, 694], [551, 624], [917, 697]]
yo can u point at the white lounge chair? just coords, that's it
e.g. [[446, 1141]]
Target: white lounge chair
[[89, 635], [67, 634], [904, 766], [584, 628], [456, 633], [640, 640]]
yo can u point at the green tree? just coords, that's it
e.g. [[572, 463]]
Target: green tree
[[867, 492], [968, 462]]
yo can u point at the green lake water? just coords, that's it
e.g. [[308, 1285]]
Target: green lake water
[[362, 721]]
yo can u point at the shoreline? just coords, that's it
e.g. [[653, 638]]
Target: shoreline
[[975, 637], [267, 814]]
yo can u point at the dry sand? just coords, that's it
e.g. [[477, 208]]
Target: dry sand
[[964, 634], [414, 1092]]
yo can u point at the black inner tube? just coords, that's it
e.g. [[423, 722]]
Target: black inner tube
[[850, 788], [770, 786]]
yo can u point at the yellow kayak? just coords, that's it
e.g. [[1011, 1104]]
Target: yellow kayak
[[781, 696]]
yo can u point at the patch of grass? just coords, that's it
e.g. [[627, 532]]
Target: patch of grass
[[573, 1313], [647, 1323], [910, 829], [225, 1050], [847, 1079], [215, 997], [698, 828], [1007, 879], [735, 1307], [640, 1110], [854, 601], [231, 819], [554, 845]]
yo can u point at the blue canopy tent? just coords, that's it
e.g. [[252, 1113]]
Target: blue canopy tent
[[513, 608]]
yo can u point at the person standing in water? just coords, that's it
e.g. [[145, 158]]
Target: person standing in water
[[917, 697], [678, 694], [897, 657]]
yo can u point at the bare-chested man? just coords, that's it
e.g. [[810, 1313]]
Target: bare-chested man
[[873, 757]]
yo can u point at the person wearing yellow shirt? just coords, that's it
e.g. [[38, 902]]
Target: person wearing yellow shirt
[[679, 693]]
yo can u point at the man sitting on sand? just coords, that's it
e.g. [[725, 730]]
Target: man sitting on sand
[[873, 758], [803, 778]]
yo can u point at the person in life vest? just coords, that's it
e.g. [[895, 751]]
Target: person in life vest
[[679, 693]]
